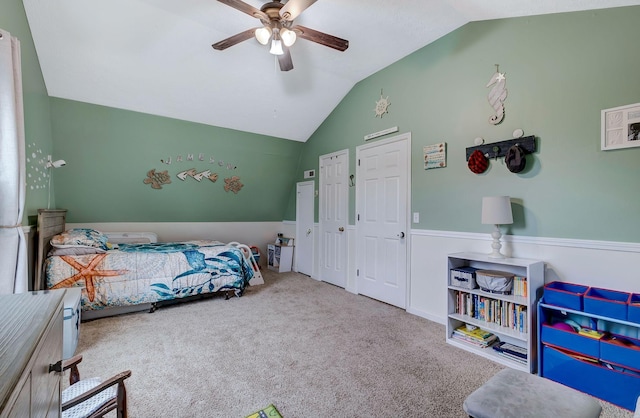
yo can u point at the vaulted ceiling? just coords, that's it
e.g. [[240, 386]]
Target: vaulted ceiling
[[155, 56]]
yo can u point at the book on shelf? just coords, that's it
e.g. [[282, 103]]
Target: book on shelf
[[476, 336], [471, 341], [496, 311], [512, 357], [520, 286], [511, 350]]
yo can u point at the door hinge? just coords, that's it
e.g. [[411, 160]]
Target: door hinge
[[358, 162], [358, 216], [358, 272]]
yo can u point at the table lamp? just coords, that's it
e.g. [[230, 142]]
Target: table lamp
[[496, 210]]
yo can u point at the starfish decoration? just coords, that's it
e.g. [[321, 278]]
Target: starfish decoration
[[157, 178], [233, 184], [87, 273]]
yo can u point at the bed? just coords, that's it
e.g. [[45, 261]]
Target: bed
[[125, 272]]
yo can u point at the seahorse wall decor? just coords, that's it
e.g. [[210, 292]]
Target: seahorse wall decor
[[497, 95]]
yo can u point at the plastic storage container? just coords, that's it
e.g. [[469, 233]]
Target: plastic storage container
[[633, 312], [614, 386], [605, 302], [571, 341], [567, 295], [621, 351]]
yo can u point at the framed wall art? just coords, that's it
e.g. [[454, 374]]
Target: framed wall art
[[620, 127], [435, 156]]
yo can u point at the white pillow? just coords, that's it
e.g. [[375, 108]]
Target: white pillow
[[84, 237]]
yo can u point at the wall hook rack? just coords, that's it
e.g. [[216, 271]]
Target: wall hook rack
[[499, 149]]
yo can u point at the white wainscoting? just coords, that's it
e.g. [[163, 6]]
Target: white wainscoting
[[604, 264]]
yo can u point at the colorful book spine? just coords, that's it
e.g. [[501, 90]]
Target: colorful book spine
[[520, 287], [494, 311]]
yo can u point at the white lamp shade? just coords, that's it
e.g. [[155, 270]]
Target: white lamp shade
[[263, 34], [276, 47], [496, 210], [288, 36]]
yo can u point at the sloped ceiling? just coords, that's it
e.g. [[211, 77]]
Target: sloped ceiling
[[155, 56]]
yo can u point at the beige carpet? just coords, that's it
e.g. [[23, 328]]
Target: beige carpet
[[309, 348]]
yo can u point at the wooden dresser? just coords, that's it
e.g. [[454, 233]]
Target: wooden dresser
[[30, 341]]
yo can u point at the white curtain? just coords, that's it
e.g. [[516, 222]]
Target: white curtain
[[13, 248]]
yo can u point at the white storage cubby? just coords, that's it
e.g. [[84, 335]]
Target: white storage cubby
[[533, 270], [279, 257]]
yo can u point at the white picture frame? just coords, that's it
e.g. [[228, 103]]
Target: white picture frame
[[620, 127]]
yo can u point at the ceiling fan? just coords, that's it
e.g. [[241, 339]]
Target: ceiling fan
[[277, 27]]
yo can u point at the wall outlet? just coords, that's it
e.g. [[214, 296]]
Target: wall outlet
[[309, 174], [416, 217]]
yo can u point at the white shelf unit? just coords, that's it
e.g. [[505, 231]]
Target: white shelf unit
[[279, 257], [533, 270]]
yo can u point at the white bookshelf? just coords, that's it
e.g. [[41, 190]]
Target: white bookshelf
[[533, 270]]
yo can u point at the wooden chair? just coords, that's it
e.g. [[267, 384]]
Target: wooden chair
[[92, 398]]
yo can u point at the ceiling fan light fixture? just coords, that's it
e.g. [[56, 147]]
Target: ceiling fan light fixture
[[288, 36], [263, 35], [276, 47]]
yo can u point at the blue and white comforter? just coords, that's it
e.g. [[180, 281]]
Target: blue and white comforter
[[143, 273]]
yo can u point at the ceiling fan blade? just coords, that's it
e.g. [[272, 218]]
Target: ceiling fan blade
[[246, 8], [293, 8], [321, 38], [285, 61], [235, 39]]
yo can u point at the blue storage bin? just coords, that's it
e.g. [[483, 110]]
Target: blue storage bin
[[605, 302], [571, 341], [625, 354], [616, 387], [633, 311], [567, 295]]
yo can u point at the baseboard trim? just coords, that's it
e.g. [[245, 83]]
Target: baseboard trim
[[426, 315]]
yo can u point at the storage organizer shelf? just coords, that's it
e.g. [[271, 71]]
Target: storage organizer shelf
[[606, 367], [496, 305]]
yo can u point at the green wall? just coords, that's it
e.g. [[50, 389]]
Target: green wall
[[38, 137], [109, 152], [561, 71]]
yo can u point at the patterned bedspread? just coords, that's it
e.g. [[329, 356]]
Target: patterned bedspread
[[142, 273]]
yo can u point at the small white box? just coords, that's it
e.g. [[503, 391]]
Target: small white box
[[464, 277], [71, 326]]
